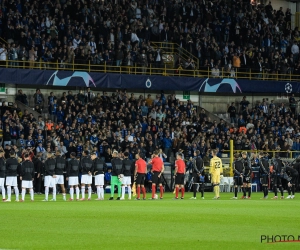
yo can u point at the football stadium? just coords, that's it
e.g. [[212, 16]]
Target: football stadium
[[134, 124]]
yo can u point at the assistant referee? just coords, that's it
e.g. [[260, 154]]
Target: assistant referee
[[179, 174]]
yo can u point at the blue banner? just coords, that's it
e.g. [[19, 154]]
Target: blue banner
[[123, 81]]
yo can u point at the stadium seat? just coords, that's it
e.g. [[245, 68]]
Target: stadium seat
[[222, 184], [230, 184], [254, 185]]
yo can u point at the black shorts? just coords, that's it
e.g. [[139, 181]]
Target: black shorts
[[264, 180], [155, 178], [277, 180], [294, 179], [179, 179], [238, 180], [247, 179], [196, 178], [140, 179]]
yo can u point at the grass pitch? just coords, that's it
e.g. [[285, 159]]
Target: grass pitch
[[160, 224]]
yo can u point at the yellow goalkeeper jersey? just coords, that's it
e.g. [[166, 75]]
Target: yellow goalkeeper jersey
[[216, 167]]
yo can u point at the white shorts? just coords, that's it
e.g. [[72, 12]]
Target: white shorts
[[86, 179], [99, 180], [49, 181], [73, 181], [59, 179], [126, 180], [27, 184], [11, 181], [2, 180]]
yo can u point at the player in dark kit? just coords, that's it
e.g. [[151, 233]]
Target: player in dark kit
[[238, 173], [86, 169], [72, 176], [116, 172], [264, 173], [247, 180], [2, 174], [276, 173], [291, 175], [128, 166], [179, 174], [49, 176], [99, 168], [27, 177], [12, 171], [198, 169], [157, 170], [38, 168], [59, 172], [139, 175]]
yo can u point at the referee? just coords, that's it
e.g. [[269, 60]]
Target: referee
[[139, 175], [179, 174], [157, 170], [27, 177]]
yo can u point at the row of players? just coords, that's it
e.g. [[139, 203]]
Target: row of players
[[91, 166], [270, 171]]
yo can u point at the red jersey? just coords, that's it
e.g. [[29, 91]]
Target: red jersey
[[157, 164], [180, 164], [141, 166]]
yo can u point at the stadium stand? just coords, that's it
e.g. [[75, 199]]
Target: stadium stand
[[217, 38]]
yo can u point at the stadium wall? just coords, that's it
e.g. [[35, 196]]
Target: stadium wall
[[214, 94]]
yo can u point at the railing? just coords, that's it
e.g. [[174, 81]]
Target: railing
[[212, 116], [136, 69], [290, 154], [24, 107], [3, 40], [175, 50]]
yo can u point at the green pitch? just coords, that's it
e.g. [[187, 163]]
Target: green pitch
[[159, 224]]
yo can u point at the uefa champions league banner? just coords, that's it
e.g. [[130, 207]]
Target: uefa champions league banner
[[123, 81]]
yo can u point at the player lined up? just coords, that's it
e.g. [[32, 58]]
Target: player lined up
[[274, 171]]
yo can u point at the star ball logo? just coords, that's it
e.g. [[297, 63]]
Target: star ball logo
[[288, 88], [284, 238]]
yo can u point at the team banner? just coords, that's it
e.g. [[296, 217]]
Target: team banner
[[123, 81]]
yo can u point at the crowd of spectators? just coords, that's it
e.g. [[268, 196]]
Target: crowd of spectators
[[221, 34], [121, 121]]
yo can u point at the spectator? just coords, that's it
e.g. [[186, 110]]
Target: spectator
[[21, 97], [39, 98], [3, 55], [215, 72]]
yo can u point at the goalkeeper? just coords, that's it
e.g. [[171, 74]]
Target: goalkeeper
[[216, 170], [116, 164]]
